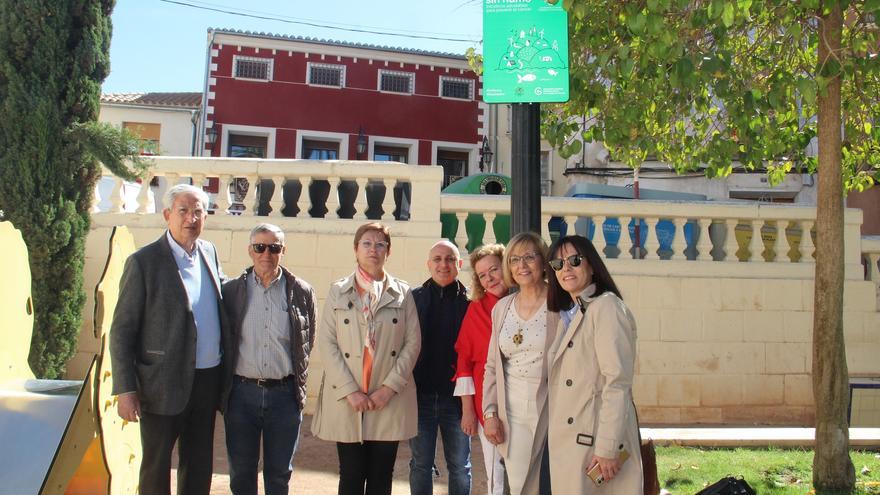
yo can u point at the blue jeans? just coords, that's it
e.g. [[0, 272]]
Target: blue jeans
[[273, 413], [443, 412]]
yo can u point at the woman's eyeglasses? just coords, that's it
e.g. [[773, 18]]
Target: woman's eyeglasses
[[528, 258], [379, 245], [260, 248], [574, 261]]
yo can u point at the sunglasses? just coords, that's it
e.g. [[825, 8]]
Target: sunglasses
[[574, 261], [260, 248]]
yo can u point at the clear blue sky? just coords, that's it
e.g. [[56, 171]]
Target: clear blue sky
[[160, 46]]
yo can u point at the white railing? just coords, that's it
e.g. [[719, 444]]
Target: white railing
[[672, 232], [352, 188], [669, 230]]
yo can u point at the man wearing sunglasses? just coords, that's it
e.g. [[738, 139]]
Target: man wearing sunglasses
[[168, 342], [273, 328]]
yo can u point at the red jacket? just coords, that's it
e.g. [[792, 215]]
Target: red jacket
[[472, 345]]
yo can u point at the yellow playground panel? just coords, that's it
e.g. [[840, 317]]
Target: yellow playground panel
[[66, 435]]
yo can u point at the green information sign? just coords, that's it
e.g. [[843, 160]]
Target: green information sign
[[525, 52]]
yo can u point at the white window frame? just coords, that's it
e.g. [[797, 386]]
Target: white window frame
[[410, 75], [269, 72], [471, 149], [325, 66], [469, 82], [248, 130], [335, 137], [411, 145]]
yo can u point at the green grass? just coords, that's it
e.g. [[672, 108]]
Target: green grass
[[686, 470]]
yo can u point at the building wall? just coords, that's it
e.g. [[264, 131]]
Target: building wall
[[176, 125], [869, 202], [287, 108]]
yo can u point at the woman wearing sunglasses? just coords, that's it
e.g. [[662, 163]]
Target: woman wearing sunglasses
[[369, 341], [515, 381], [593, 423], [487, 287]]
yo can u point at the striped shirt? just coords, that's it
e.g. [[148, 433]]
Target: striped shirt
[[264, 348]]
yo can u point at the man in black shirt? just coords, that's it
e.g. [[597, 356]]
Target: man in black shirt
[[441, 302]]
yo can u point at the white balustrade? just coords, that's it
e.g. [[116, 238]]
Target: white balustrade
[[360, 199], [304, 200], [704, 244], [756, 244], [652, 241], [780, 243], [388, 200], [712, 225], [679, 244], [625, 242], [807, 248], [277, 201], [489, 233]]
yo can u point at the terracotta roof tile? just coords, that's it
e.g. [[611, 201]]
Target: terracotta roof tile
[[176, 100]]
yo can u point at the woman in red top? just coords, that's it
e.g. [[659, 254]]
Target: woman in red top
[[472, 347]]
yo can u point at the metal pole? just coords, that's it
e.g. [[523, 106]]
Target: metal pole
[[637, 245], [525, 197]]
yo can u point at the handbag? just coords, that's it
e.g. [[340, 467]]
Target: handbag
[[649, 468], [731, 485]]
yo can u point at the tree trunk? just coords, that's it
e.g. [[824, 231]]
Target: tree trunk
[[833, 470]]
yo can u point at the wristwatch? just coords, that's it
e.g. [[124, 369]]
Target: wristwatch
[[489, 415]]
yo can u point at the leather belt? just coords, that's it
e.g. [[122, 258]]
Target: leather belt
[[264, 382]]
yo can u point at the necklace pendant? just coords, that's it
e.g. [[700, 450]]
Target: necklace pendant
[[518, 338]]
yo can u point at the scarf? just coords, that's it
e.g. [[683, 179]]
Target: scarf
[[370, 292]]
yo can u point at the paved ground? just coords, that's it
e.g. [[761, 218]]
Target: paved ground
[[316, 468], [316, 465]]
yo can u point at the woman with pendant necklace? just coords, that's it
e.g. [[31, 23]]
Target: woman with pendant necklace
[[515, 383]]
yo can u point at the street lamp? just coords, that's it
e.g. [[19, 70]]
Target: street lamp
[[361, 143], [485, 154], [211, 137]]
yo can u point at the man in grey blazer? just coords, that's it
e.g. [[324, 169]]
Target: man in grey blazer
[[167, 343]]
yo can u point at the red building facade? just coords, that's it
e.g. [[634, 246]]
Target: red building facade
[[284, 97]]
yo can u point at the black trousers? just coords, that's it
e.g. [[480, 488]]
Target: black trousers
[[366, 468], [193, 430]]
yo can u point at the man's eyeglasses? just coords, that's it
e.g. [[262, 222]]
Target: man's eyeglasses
[[379, 245], [528, 258], [574, 261], [260, 248]]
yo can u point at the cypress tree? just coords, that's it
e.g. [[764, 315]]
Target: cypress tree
[[53, 57]]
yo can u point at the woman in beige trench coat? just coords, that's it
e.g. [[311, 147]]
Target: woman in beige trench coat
[[592, 418], [369, 341], [515, 379]]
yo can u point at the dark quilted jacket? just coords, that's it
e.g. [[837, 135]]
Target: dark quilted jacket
[[301, 301]]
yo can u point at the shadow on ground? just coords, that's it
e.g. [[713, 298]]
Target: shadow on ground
[[316, 468]]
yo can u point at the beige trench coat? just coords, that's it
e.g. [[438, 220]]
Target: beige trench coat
[[495, 392], [340, 344], [591, 408]]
